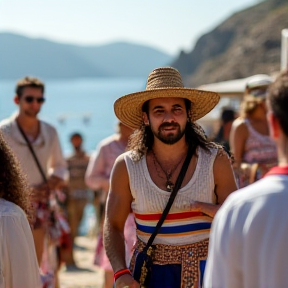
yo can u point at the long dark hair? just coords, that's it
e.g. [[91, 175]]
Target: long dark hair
[[13, 184], [142, 139]]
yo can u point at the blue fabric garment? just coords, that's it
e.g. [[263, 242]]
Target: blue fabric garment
[[202, 265], [166, 276], [176, 229]]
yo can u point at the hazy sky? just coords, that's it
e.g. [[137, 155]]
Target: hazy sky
[[170, 25]]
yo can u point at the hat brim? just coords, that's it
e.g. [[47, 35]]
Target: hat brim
[[128, 109]]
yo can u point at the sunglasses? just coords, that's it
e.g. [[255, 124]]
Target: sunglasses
[[261, 93], [30, 99]]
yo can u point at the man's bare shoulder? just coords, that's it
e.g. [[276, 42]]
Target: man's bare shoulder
[[123, 164], [121, 160], [120, 178], [222, 160]]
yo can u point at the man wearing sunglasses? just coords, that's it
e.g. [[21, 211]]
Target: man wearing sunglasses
[[23, 128]]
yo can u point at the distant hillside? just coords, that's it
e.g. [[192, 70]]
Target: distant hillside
[[20, 56], [245, 44]]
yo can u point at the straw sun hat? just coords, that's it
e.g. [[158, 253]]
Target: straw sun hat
[[162, 83]]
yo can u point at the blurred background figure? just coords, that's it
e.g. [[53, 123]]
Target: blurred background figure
[[77, 190], [248, 240], [228, 115], [254, 151], [97, 178], [36, 144], [18, 261]]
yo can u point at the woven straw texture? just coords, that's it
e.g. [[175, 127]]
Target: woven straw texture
[[162, 83]]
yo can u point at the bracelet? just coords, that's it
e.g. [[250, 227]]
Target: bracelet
[[120, 273]]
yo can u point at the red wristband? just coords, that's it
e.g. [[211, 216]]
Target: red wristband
[[120, 273]]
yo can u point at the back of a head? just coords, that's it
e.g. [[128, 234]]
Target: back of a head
[[278, 99], [228, 114], [75, 135]]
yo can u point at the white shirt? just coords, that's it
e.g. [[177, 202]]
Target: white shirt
[[46, 147], [249, 238], [18, 261]]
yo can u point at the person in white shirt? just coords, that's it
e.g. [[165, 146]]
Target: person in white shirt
[[248, 241], [44, 140], [18, 261]]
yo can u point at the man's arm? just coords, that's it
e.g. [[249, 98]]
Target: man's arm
[[223, 176], [224, 184], [117, 210]]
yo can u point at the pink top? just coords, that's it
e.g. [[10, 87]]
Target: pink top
[[99, 169], [102, 161], [259, 148]]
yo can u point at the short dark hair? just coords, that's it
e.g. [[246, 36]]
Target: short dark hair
[[278, 98], [228, 114], [76, 134], [28, 82]]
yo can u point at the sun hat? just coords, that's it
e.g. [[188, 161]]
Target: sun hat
[[257, 81], [163, 82], [256, 87]]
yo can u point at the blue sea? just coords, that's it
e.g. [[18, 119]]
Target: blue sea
[[78, 105], [85, 106]]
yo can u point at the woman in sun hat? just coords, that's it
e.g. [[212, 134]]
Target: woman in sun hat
[[166, 136], [254, 151]]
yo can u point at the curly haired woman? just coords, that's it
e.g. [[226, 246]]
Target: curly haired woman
[[18, 262]]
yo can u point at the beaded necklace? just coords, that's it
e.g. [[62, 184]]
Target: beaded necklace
[[168, 174]]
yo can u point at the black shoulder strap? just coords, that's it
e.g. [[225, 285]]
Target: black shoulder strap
[[33, 153], [172, 197]]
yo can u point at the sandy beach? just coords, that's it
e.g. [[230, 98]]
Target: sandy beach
[[88, 276]]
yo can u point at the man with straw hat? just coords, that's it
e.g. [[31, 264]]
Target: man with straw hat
[[169, 153]]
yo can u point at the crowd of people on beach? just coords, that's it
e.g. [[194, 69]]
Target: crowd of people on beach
[[174, 207]]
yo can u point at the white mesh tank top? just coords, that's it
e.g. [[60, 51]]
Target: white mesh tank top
[[182, 225]]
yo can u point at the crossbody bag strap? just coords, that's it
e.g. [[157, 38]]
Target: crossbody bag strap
[[33, 153], [172, 197]]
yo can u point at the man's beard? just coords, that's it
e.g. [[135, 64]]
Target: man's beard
[[169, 139]]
